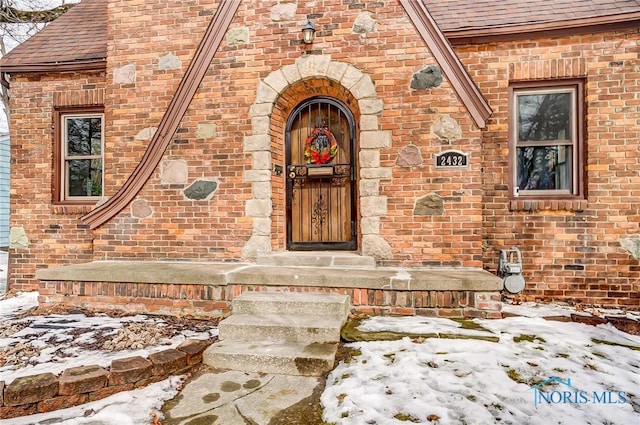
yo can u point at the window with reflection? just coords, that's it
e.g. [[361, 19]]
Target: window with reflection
[[81, 157], [546, 141]]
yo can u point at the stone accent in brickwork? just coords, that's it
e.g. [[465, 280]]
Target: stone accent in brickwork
[[431, 204], [409, 156], [238, 36], [125, 74], [632, 246], [364, 24], [446, 128], [201, 189], [140, 208], [145, 134], [427, 78], [283, 12], [206, 130], [173, 171], [169, 61], [18, 238]]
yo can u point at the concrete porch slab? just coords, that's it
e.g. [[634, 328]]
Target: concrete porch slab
[[221, 274], [142, 272]]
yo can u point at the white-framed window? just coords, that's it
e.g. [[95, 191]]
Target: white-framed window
[[81, 176], [546, 133]]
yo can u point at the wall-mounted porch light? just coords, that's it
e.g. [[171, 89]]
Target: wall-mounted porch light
[[308, 32]]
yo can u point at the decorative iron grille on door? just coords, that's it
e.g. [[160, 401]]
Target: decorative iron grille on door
[[320, 149]]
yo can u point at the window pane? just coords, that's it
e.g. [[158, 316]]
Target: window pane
[[544, 117], [84, 136], [544, 168], [84, 177]]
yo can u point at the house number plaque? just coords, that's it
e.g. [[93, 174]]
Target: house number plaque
[[452, 159]]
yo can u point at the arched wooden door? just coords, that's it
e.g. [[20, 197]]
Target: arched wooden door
[[321, 173]]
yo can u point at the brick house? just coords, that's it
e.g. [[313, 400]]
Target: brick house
[[421, 134]]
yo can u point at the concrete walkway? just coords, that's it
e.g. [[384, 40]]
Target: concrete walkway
[[240, 398]]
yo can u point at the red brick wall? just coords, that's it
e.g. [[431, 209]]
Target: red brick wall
[[56, 235], [571, 250]]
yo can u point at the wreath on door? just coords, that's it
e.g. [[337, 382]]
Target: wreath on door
[[320, 147]]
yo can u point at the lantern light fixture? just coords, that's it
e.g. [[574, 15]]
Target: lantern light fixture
[[308, 31]]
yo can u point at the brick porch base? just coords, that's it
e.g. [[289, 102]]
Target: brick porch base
[[207, 289]]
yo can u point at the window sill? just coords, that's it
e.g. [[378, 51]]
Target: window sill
[[72, 209], [547, 204]]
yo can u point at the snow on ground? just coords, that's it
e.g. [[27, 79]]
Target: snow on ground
[[55, 342], [436, 381], [471, 381], [533, 309]]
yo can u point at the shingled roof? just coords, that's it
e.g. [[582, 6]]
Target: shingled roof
[[465, 21], [76, 40]]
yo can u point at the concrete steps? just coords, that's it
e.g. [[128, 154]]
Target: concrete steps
[[292, 303], [285, 333], [280, 327], [272, 357]]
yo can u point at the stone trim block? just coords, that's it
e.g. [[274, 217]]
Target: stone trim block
[[313, 65], [82, 379], [277, 80], [129, 370], [265, 93], [375, 139], [260, 142], [193, 349], [257, 176], [31, 389], [167, 362]]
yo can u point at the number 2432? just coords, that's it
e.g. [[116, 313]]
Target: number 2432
[[452, 161]]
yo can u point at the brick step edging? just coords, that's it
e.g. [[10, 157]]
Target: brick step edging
[[47, 392]]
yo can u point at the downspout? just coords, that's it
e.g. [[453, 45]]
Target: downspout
[[185, 92]]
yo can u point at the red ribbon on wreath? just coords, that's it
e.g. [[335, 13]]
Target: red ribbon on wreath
[[320, 147]]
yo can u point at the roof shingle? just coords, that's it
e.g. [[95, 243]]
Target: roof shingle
[[458, 15], [77, 38]]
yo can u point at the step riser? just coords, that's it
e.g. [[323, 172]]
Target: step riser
[[340, 310], [267, 364], [299, 259], [252, 333]]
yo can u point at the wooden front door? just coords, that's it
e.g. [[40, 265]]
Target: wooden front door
[[320, 150]]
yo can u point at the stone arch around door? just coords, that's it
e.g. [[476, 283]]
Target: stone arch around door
[[276, 96]]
